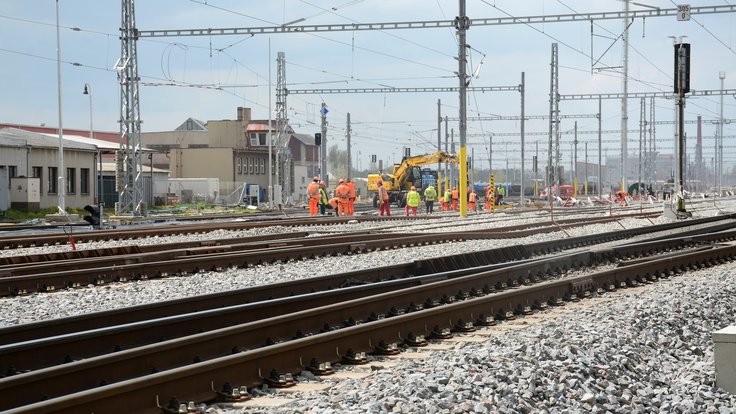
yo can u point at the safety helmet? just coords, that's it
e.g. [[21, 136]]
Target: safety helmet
[[341, 181], [413, 188], [315, 179]]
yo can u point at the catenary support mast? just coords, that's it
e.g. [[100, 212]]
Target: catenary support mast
[[128, 173]]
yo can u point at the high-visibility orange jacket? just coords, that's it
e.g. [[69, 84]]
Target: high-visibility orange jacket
[[313, 190], [382, 194], [472, 197], [455, 194], [342, 191], [351, 190]]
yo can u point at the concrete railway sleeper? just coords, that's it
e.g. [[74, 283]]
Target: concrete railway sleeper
[[213, 258], [12, 242], [457, 264], [198, 377]]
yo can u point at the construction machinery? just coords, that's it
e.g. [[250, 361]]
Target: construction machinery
[[407, 174]]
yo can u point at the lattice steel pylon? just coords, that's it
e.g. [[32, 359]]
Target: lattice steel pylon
[[282, 126], [130, 186], [554, 123]]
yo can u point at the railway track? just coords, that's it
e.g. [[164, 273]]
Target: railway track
[[46, 272], [403, 309], [12, 241]]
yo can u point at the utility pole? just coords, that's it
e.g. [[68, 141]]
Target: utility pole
[[323, 166], [347, 135], [721, 76], [130, 184], [652, 143], [439, 143], [521, 89], [586, 168], [682, 86], [453, 171], [600, 150], [642, 137], [625, 97], [575, 160], [270, 132], [462, 23], [282, 136], [447, 165], [554, 126], [536, 169]]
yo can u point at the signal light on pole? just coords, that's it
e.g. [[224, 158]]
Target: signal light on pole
[[318, 139], [94, 215]]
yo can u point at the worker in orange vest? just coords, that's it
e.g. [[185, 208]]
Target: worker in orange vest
[[455, 198], [351, 197], [383, 199], [334, 202], [342, 193], [313, 195], [472, 198]]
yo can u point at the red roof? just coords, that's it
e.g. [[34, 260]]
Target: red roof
[[104, 136]]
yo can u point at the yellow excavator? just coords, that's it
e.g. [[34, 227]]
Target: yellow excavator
[[407, 174]]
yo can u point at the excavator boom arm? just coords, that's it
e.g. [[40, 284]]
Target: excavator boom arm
[[403, 170]]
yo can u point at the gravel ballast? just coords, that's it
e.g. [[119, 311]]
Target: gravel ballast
[[639, 350]]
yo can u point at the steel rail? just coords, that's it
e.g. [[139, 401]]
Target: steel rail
[[198, 381], [12, 242], [21, 279], [477, 260]]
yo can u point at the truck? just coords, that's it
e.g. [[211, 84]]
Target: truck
[[407, 174]]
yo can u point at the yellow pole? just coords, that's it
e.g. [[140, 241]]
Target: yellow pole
[[492, 184], [463, 182]]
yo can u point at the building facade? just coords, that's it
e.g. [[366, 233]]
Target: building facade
[[236, 152]]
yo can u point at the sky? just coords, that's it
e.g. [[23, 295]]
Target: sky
[[208, 77]]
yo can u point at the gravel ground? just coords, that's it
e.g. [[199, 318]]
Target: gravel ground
[[42, 306], [638, 350]]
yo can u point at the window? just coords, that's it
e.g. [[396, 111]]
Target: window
[[240, 165], [53, 176], [12, 171], [71, 180], [258, 138], [84, 180], [38, 173], [263, 166], [250, 165]]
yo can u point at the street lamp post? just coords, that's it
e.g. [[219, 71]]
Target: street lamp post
[[88, 91], [100, 203], [62, 174]]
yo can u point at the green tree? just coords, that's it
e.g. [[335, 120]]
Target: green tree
[[337, 162]]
